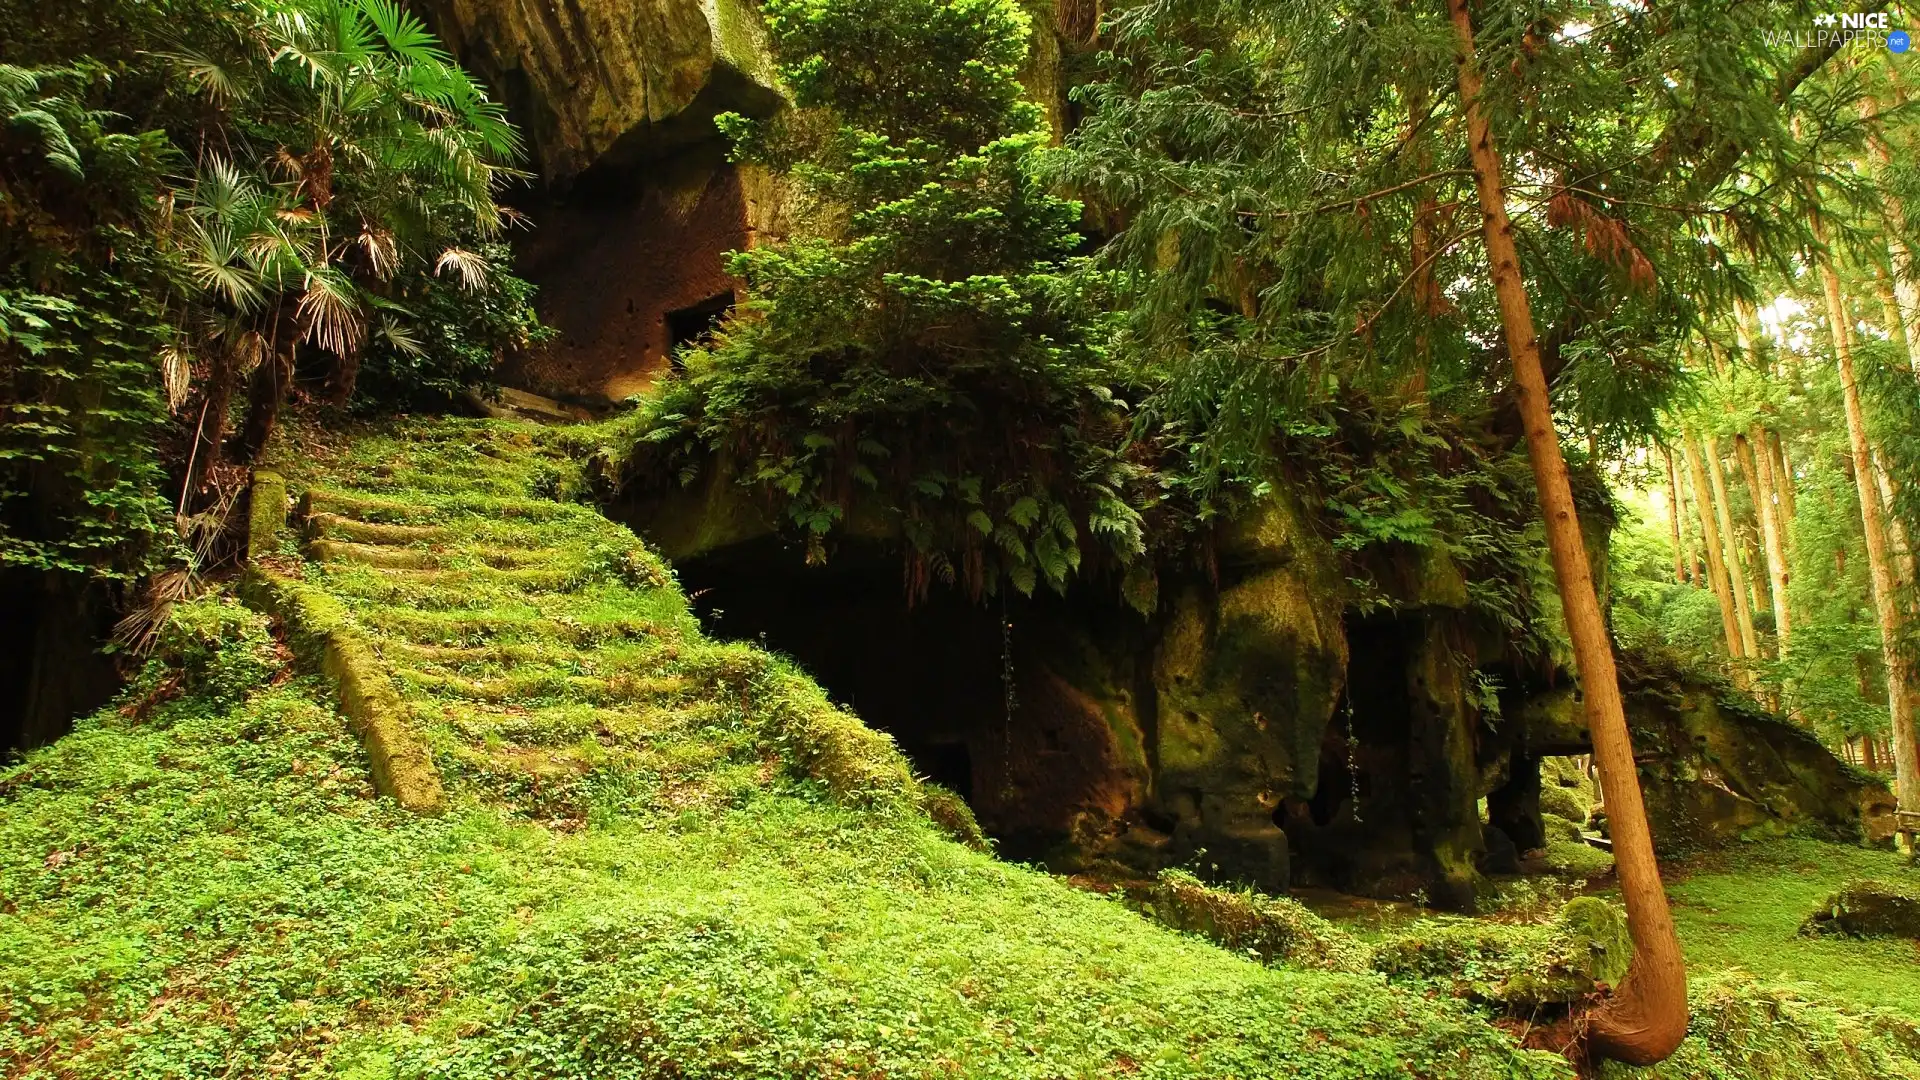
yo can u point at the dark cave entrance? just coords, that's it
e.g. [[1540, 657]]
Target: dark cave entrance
[[930, 676], [934, 676], [693, 326], [1352, 834]]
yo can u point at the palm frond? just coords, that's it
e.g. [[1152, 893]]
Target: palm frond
[[176, 374], [469, 267], [330, 309]]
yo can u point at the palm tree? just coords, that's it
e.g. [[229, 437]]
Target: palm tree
[[348, 147]]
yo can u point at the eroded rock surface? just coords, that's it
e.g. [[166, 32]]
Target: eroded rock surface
[[596, 82]]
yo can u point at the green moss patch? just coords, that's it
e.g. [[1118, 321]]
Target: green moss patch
[[207, 883]]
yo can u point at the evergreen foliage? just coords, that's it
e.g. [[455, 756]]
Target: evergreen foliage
[[919, 355]]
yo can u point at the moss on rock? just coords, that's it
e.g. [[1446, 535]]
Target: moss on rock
[[1869, 909], [1585, 948], [1276, 930]]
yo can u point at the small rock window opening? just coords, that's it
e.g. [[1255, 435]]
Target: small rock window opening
[[693, 326]]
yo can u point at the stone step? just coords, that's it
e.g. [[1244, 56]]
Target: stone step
[[411, 558], [432, 508], [328, 526], [549, 687], [438, 628], [399, 583]]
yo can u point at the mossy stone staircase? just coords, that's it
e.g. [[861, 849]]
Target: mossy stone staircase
[[494, 638]]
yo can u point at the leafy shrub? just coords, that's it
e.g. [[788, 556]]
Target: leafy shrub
[[440, 338], [924, 353]]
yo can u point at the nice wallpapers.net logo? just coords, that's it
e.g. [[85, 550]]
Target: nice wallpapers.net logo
[[1832, 29]]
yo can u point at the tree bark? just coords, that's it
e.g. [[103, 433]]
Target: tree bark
[[1716, 558], [1646, 1017], [1737, 577], [1783, 484], [1906, 768], [1773, 535], [1674, 511]]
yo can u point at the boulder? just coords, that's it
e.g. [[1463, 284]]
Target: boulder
[[1869, 909], [1245, 675], [1717, 767]]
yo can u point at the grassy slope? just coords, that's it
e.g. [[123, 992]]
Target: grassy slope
[[1742, 909], [633, 879]]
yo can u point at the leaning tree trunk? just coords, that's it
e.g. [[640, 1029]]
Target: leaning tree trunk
[[1645, 1019], [1716, 553], [1906, 768]]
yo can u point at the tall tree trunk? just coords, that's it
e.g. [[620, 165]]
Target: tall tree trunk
[[1774, 537], [1905, 289], [1645, 1019], [1757, 459], [1716, 560], [1906, 768], [1782, 484], [1737, 577], [1674, 510]]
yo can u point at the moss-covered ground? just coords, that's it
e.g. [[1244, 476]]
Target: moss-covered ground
[[663, 856], [647, 866], [1742, 909]]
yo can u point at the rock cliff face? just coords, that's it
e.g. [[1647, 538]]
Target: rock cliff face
[[1256, 727], [599, 83], [635, 204]]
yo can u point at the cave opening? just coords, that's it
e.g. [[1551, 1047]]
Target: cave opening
[[972, 691], [693, 326], [930, 675]]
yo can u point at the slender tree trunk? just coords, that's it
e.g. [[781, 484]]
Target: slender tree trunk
[[1760, 572], [1427, 301], [1774, 537], [1783, 484], [1737, 576], [1645, 1019], [1906, 768], [1905, 289], [1716, 565], [1674, 511]]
